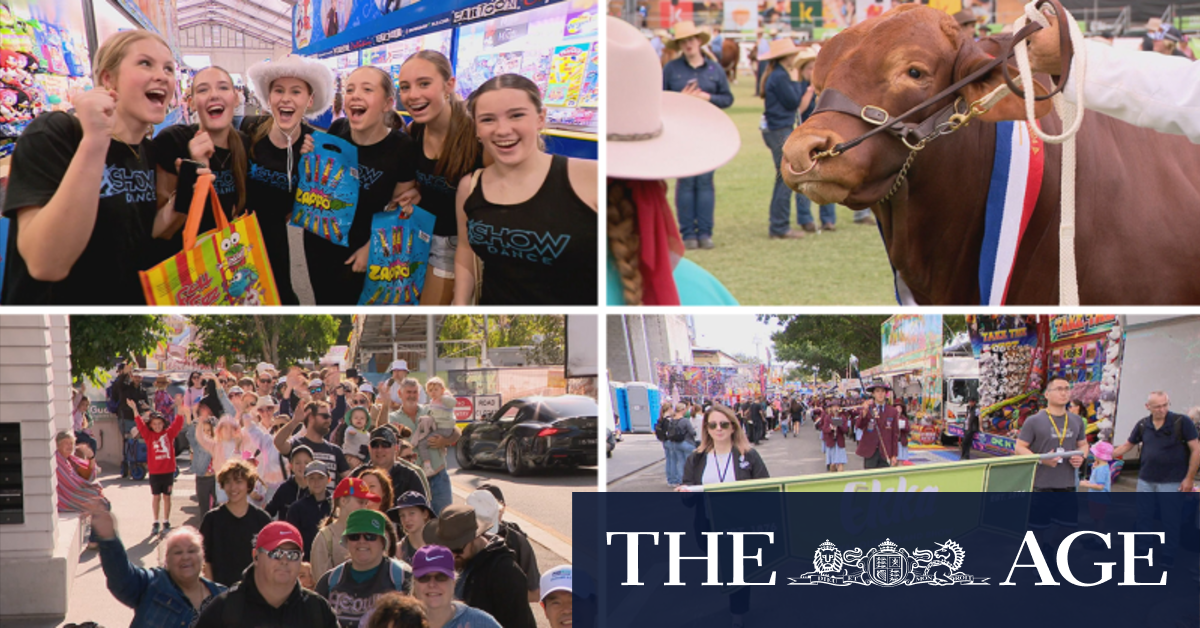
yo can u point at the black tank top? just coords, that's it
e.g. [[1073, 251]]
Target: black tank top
[[437, 193], [540, 252]]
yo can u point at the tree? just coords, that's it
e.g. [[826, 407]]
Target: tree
[[827, 342], [99, 342], [279, 340], [542, 334]]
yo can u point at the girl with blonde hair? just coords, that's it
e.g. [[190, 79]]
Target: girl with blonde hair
[[81, 191]]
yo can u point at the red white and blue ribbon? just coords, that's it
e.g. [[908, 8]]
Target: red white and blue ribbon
[[1012, 195]]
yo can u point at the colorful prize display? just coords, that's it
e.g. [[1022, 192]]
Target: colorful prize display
[[327, 196], [398, 259]]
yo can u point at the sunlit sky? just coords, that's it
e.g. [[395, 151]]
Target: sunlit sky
[[734, 334]]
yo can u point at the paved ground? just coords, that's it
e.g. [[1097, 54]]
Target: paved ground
[[545, 515], [638, 464]]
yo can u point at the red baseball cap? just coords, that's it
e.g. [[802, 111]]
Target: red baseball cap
[[355, 487], [277, 533]]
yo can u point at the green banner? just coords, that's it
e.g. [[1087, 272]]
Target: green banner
[[1008, 474]]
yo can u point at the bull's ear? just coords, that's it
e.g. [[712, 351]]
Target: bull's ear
[[973, 55]]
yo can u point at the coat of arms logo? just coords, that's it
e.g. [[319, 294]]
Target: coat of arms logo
[[888, 565]]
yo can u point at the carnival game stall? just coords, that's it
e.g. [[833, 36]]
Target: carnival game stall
[[911, 351], [728, 384], [1011, 355], [555, 43], [1086, 350]]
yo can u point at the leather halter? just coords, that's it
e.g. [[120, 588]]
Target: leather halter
[[949, 118]]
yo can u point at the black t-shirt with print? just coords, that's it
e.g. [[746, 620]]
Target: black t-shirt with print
[[437, 194], [380, 167], [268, 195], [172, 143], [106, 273]]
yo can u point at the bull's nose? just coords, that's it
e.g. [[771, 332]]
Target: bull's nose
[[799, 150]]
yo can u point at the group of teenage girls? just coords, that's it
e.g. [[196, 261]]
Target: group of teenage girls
[[92, 197]]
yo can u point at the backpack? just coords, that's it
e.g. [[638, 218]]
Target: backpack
[[676, 432], [335, 574], [1177, 427], [660, 429]]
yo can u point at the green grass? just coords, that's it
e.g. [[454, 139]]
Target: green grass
[[845, 267]]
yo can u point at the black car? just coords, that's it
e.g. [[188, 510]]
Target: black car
[[533, 432]]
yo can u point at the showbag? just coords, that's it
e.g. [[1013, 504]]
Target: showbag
[[327, 196], [225, 266], [398, 259]]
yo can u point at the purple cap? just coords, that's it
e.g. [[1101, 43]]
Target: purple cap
[[433, 559]]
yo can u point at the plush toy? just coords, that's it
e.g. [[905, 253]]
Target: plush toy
[[13, 70], [56, 62]]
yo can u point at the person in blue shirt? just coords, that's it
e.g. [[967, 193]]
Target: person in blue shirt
[[783, 97], [828, 213], [698, 75], [653, 135]]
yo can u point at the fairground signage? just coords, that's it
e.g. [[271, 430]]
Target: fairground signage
[[319, 30]]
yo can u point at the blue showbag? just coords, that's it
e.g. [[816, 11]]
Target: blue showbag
[[398, 258], [327, 196], [3, 251]]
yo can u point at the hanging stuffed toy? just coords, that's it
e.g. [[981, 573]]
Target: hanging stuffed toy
[[14, 69]]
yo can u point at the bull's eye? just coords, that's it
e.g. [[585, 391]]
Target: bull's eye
[[915, 73]]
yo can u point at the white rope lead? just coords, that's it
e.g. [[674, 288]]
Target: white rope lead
[[1072, 118]]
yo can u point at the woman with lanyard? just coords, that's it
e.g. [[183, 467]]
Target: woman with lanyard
[[783, 96], [532, 214], [387, 179], [292, 87], [214, 144], [724, 455], [446, 151], [693, 74], [81, 190]]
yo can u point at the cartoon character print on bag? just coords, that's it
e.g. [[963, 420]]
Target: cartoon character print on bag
[[240, 275]]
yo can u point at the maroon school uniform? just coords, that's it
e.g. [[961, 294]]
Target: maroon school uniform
[[834, 434], [885, 433]]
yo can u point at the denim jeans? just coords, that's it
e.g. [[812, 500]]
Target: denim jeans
[[781, 195], [695, 203], [1171, 517], [677, 454], [439, 485], [862, 213]]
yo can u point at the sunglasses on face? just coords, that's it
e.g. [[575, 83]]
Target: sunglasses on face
[[264, 381], [720, 425], [290, 555], [364, 536], [436, 577], [324, 415], [380, 444], [410, 457]]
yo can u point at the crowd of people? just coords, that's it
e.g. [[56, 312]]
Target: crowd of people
[[95, 199], [316, 507]]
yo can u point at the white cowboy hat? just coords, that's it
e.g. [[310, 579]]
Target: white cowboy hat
[[318, 77], [653, 134], [682, 31]]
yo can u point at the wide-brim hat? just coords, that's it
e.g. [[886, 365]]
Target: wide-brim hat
[[455, 528], [684, 30], [873, 385], [781, 48], [807, 55], [653, 134], [964, 17], [317, 75]]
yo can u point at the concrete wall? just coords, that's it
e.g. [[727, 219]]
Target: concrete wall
[[636, 342], [38, 557]]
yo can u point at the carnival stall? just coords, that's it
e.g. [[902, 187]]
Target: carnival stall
[[554, 43], [1017, 355], [694, 382]]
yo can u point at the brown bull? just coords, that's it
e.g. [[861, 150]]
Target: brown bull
[[731, 54], [1138, 196]]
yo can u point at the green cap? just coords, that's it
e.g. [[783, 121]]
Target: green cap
[[366, 520]]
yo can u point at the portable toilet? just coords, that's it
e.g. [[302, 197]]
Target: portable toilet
[[619, 397], [643, 403]]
